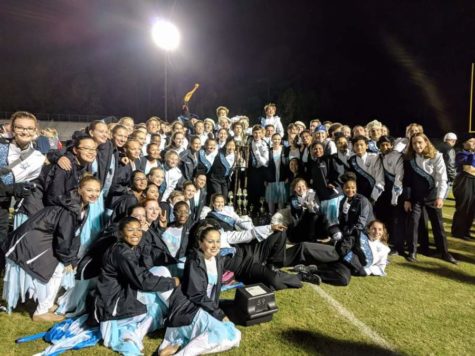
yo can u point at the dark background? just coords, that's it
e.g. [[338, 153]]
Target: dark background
[[348, 61]]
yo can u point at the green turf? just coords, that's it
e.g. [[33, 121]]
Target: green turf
[[426, 308]]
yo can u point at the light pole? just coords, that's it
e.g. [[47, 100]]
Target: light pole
[[167, 37]]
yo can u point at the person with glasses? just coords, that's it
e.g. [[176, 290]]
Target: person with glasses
[[59, 181], [20, 162]]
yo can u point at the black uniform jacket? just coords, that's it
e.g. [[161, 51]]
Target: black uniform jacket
[[360, 214], [120, 279], [188, 164], [47, 238], [195, 283]]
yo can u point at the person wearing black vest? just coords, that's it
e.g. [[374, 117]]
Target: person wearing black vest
[[425, 185]]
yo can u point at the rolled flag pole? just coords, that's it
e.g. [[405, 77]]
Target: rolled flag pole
[[33, 337]]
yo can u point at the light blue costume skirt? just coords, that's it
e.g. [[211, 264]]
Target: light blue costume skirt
[[331, 209], [126, 335], [73, 301], [205, 334]]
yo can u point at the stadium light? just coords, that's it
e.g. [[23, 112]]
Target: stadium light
[[165, 35]]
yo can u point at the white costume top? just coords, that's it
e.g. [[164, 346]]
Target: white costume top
[[28, 169], [380, 258], [372, 165], [260, 150], [172, 177], [436, 168]]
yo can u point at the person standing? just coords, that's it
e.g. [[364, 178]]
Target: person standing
[[425, 185]]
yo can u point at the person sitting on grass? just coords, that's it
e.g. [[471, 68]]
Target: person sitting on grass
[[45, 248], [124, 319], [205, 328]]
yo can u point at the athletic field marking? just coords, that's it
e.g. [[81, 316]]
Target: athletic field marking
[[365, 329]]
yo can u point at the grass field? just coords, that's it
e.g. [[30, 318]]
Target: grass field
[[426, 308]]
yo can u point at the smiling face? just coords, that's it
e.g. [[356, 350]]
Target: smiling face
[[182, 213], [200, 181], [141, 137], [270, 111], [376, 231], [152, 192], [133, 150], [172, 159], [276, 141], [222, 135], [257, 134], [90, 191], [140, 182], [218, 203], [157, 177], [178, 139], [317, 151], [199, 127], [189, 191], [24, 130], [120, 137], [153, 151], [342, 144], [100, 133], [86, 151], [349, 188], [195, 145], [300, 188], [419, 144], [230, 147], [360, 147], [152, 126], [132, 233], [152, 210], [320, 136], [211, 244]]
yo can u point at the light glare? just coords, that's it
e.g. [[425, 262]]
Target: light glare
[[166, 35]]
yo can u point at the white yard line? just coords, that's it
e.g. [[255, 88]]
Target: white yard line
[[365, 329]]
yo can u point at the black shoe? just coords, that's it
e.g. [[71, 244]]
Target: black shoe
[[449, 258], [305, 269], [310, 278], [411, 257]]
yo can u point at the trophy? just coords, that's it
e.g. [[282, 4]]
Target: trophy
[[244, 202], [230, 199], [239, 201]]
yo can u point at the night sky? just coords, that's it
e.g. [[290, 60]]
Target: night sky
[[348, 61]]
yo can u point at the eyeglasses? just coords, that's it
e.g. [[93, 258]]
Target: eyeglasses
[[87, 149], [24, 129], [139, 179]]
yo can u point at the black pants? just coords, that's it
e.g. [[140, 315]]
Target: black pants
[[308, 253], [464, 193], [250, 263], [393, 218], [335, 273], [310, 227], [216, 187], [435, 217]]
